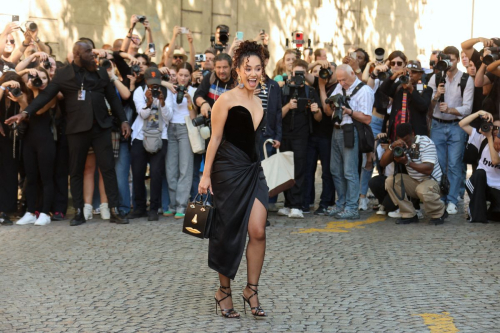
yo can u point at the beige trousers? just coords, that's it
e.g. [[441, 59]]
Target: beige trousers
[[427, 191]]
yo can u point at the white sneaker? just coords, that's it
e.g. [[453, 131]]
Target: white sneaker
[[284, 211], [363, 203], [452, 208], [105, 213], [420, 214], [395, 214], [381, 210], [43, 219], [87, 212], [296, 214], [272, 207], [28, 218]]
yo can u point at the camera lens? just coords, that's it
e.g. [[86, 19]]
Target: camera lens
[[105, 63], [223, 37], [325, 73], [32, 26], [165, 77], [135, 69], [399, 152], [16, 92], [490, 58]]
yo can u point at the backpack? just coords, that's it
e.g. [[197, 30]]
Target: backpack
[[366, 140], [463, 81], [472, 154], [152, 141]]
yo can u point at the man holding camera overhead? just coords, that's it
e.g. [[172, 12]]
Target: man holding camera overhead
[[344, 158], [418, 154], [300, 105], [452, 100]]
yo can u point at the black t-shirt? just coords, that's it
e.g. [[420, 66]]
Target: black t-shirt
[[492, 101], [324, 128], [297, 122]]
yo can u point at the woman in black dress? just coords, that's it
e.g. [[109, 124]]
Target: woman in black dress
[[234, 175]]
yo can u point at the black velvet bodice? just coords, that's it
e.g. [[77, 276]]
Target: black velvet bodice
[[240, 132]]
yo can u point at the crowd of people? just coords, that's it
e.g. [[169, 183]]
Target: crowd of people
[[110, 118]]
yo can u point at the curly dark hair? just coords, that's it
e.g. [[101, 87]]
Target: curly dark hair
[[244, 51]]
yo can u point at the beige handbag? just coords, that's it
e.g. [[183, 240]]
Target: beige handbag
[[197, 142], [279, 170]]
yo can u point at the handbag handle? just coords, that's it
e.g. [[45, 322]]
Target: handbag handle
[[203, 202], [265, 150]]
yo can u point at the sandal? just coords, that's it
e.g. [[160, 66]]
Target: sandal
[[257, 311], [228, 313]]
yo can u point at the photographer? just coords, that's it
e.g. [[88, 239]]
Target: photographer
[[494, 76], [221, 40], [177, 56], [204, 68], [484, 184], [32, 61], [357, 60], [345, 152], [179, 159], [8, 45], [132, 42], [451, 102], [284, 70], [419, 155], [300, 106], [149, 143], [411, 99], [10, 84]]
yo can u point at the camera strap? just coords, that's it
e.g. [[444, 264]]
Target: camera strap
[[397, 170]]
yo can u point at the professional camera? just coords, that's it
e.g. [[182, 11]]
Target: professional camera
[[337, 102], [325, 73], [384, 75], [181, 90], [104, 63], [481, 125], [200, 58], [383, 140], [16, 92], [444, 62], [31, 26], [298, 80], [141, 18], [46, 64], [379, 54], [165, 77], [413, 151], [223, 36], [204, 124], [494, 56], [404, 79], [155, 91], [35, 80], [135, 69]]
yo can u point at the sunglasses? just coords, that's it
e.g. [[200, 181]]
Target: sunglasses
[[495, 128], [178, 57], [394, 63], [11, 41]]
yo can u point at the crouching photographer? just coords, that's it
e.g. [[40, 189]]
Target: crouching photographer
[[484, 184], [418, 154]]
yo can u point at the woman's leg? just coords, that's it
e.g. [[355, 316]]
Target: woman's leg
[[88, 179], [256, 250], [223, 292], [102, 191]]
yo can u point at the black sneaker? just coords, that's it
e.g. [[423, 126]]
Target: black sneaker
[[306, 210], [268, 224], [408, 220], [321, 211], [441, 219], [5, 220], [136, 214], [58, 216], [153, 215]]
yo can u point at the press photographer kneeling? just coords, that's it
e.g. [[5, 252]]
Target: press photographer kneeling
[[418, 154], [484, 184]]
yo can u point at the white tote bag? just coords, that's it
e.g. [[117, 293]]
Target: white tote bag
[[197, 142], [279, 170]]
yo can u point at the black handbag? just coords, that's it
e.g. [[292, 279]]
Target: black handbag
[[198, 218]]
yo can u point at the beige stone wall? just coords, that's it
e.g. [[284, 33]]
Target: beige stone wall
[[414, 26]]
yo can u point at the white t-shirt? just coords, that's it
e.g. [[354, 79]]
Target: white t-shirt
[[492, 171], [179, 110], [428, 154]]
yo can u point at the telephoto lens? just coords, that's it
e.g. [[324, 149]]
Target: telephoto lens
[[379, 54], [31, 26], [399, 151], [223, 36], [105, 63], [155, 91], [384, 75], [404, 79], [35, 80], [325, 73], [165, 77], [180, 93]]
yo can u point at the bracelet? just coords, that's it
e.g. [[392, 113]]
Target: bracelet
[[25, 45], [352, 111], [203, 103], [3, 88], [373, 76]]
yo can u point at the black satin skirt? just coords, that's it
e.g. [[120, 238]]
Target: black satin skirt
[[236, 183]]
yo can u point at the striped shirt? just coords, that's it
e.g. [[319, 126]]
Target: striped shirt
[[428, 154]]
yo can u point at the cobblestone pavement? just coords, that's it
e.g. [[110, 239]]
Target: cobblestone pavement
[[319, 275]]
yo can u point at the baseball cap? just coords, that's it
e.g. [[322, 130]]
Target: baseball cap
[[152, 76]]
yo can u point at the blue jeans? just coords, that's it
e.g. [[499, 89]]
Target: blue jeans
[[344, 168], [318, 147], [270, 151], [366, 175], [449, 140], [122, 169], [165, 197]]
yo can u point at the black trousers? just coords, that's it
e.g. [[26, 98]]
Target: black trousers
[[39, 154], [140, 159], [319, 148], [61, 172], [377, 185], [8, 175], [479, 192], [79, 144], [294, 196]]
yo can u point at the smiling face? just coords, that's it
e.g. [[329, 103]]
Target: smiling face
[[250, 71], [10, 45]]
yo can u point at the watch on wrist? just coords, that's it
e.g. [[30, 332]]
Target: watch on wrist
[[390, 147], [37, 40], [25, 44], [408, 163], [358, 71]]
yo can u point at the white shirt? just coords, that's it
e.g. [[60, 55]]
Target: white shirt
[[389, 169], [453, 96], [361, 102], [492, 171], [179, 110], [143, 114]]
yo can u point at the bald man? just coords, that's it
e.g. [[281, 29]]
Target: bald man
[[344, 157], [86, 89]]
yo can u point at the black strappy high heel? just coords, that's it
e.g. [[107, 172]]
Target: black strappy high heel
[[259, 312], [228, 313]]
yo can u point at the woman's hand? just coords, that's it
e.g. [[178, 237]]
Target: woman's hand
[[488, 117], [12, 84], [205, 185], [18, 99]]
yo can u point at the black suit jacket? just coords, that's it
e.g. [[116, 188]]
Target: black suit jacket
[[80, 115]]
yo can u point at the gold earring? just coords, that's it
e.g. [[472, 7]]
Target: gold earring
[[240, 85], [262, 83]]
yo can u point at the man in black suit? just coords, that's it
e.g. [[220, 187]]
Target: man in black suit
[[86, 89]]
